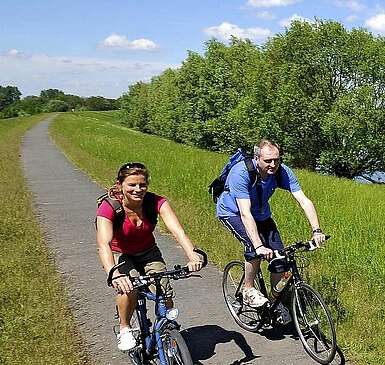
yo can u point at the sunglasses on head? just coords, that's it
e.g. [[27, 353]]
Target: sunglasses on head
[[131, 165]]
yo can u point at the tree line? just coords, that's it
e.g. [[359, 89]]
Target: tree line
[[50, 100], [317, 89]]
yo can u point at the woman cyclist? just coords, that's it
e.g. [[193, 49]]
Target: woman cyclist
[[133, 241]]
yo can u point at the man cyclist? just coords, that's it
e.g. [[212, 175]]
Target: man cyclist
[[244, 209]]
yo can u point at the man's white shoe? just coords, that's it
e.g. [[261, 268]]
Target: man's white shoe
[[253, 298], [126, 339], [283, 314]]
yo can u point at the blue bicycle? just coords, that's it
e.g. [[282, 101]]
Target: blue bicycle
[[161, 344]]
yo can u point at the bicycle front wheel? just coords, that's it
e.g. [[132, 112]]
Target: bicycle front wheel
[[232, 283], [175, 348], [314, 324], [137, 355]]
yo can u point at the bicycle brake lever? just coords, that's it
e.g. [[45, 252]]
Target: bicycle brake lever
[[277, 255], [195, 276], [312, 246]]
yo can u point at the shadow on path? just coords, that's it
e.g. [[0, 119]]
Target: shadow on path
[[202, 341]]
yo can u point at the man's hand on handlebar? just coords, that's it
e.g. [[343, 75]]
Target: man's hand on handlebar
[[122, 284], [195, 262], [267, 253], [318, 238]]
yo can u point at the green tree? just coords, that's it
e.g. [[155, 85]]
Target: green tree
[[52, 94], [8, 95], [55, 106], [135, 107], [354, 130], [162, 105], [99, 103], [31, 104]]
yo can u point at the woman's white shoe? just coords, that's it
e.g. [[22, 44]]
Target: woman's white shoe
[[126, 339]]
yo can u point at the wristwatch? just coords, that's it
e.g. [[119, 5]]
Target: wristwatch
[[317, 230]]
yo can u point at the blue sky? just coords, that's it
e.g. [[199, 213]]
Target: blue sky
[[100, 47]]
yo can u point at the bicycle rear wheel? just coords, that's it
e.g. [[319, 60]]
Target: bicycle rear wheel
[[314, 324], [175, 348], [245, 316]]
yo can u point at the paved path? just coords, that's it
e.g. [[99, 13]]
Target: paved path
[[65, 203]]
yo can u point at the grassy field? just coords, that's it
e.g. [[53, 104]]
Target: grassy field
[[36, 326], [349, 271]]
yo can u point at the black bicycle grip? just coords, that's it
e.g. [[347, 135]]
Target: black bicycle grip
[[203, 254], [326, 238], [111, 272]]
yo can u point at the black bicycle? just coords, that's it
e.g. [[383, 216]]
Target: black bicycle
[[311, 316], [161, 344]]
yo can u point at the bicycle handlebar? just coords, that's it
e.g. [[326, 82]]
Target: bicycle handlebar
[[178, 272], [281, 254]]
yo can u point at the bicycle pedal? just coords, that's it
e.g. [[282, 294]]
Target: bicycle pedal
[[236, 305], [135, 349]]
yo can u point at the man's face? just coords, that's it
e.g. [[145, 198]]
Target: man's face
[[268, 161]]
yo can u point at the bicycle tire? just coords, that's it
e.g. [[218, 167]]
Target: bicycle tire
[[137, 356], [245, 316], [175, 348], [314, 324]]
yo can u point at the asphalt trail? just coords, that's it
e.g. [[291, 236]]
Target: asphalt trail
[[64, 199]]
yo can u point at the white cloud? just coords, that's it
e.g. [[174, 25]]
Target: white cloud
[[351, 18], [377, 23], [287, 21], [74, 75], [266, 15], [226, 30], [353, 5], [121, 41], [13, 53], [270, 3]]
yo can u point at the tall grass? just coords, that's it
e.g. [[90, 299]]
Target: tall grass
[[349, 271], [36, 326]]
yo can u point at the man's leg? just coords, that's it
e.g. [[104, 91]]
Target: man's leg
[[251, 268]]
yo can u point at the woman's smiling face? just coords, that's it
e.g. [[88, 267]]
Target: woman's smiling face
[[134, 187]]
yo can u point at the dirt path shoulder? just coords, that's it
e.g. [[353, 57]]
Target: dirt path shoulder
[[65, 203]]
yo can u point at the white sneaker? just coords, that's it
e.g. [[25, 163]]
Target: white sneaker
[[283, 314], [253, 297], [126, 339]]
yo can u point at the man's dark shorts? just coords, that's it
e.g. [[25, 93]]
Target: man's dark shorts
[[268, 233]]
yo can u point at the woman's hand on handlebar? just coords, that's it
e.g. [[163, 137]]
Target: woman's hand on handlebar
[[122, 284], [267, 253]]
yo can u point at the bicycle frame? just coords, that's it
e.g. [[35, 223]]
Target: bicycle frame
[[152, 338], [294, 280]]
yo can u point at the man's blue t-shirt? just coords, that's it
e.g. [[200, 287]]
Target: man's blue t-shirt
[[237, 186]]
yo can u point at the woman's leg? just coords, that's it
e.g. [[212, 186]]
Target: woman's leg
[[126, 305]]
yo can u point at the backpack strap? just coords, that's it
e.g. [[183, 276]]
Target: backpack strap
[[278, 176], [119, 213], [150, 207], [255, 179], [252, 170]]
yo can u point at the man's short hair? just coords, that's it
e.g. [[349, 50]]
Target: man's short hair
[[262, 143]]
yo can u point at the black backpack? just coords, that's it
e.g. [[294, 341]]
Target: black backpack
[[217, 186], [149, 209]]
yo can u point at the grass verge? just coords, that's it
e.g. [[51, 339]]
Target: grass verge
[[349, 272], [36, 326]]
